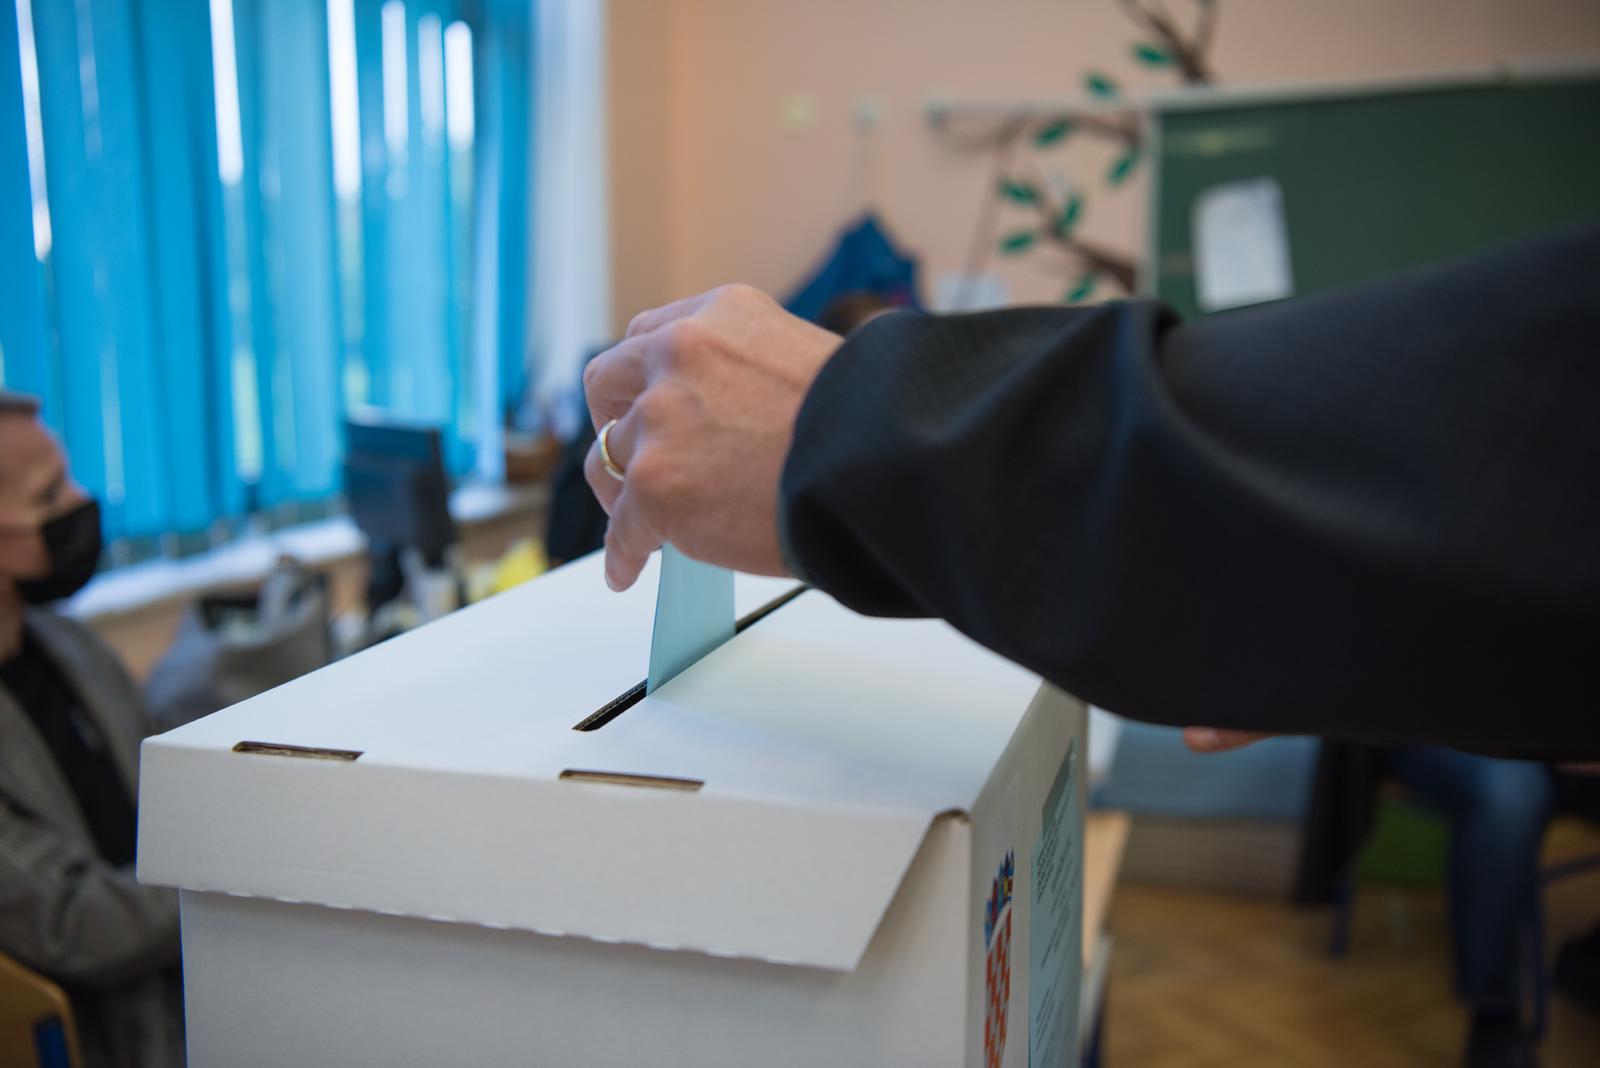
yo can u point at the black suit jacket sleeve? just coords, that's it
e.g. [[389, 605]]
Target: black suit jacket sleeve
[[1373, 514]]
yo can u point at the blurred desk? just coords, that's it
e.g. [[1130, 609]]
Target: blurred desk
[[136, 609], [1105, 834]]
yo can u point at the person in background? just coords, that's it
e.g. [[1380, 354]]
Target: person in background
[[71, 720], [1497, 811]]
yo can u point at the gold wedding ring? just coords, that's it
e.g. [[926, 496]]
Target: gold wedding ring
[[605, 454]]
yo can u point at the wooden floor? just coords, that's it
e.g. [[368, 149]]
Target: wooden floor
[[1202, 979]]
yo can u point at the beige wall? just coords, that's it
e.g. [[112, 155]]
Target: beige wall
[[709, 185]]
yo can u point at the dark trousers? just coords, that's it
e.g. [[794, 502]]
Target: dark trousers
[[1497, 810]]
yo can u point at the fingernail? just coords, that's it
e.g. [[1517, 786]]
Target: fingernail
[[1204, 738]]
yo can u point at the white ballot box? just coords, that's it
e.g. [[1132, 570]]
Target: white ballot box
[[832, 841]]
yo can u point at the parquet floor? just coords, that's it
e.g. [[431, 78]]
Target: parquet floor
[[1202, 979]]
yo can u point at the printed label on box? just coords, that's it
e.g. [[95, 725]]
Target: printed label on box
[[997, 962], [1055, 941], [993, 919]]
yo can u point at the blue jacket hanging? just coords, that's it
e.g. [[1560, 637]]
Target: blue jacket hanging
[[863, 260]]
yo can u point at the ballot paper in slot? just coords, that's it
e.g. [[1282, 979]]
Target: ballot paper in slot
[[694, 615], [795, 852]]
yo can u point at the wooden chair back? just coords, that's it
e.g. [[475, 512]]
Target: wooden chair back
[[36, 1026]]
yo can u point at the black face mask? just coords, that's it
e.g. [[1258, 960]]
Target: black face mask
[[72, 541]]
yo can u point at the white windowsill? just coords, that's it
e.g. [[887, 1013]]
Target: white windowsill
[[317, 544]]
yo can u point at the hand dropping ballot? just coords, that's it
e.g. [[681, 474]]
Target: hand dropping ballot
[[805, 848]]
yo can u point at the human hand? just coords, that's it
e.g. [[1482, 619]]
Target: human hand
[[705, 393], [1216, 740]]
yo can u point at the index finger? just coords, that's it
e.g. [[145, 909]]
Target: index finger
[[629, 542]]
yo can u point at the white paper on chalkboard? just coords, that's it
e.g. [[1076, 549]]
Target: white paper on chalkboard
[[1241, 245]]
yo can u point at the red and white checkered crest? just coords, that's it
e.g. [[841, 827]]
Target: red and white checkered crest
[[997, 964]]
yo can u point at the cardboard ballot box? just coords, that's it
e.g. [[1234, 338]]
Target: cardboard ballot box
[[833, 841]]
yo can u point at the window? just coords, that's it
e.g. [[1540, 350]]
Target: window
[[225, 226]]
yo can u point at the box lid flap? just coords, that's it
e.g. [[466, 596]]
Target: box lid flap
[[765, 803]]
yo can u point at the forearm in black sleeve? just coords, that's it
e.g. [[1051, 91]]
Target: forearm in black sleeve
[[1373, 514]]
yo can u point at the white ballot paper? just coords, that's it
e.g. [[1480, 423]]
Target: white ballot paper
[[694, 615]]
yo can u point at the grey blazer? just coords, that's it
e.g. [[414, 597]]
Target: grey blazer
[[64, 912]]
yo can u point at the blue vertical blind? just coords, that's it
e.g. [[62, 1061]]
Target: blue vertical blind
[[226, 223]]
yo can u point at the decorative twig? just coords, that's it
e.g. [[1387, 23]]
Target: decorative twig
[[1188, 54], [1095, 258], [1058, 222], [1124, 127], [1207, 27]]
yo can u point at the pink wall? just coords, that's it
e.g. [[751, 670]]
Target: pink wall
[[709, 185]]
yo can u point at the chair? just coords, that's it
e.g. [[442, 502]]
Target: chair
[[1541, 975], [1344, 904], [36, 1028], [1407, 846]]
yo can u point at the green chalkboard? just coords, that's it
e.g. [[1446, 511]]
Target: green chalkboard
[[1374, 182]]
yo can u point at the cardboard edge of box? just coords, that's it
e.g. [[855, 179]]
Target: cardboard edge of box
[[934, 904], [878, 861], [209, 851]]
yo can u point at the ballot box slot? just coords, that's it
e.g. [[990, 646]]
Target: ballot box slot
[[635, 693], [752, 618], [611, 709], [617, 778], [305, 752]]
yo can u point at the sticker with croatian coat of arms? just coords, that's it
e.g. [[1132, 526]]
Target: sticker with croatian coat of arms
[[997, 963]]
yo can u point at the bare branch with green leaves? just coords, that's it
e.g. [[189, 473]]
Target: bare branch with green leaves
[[1170, 44]]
